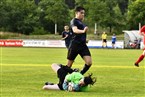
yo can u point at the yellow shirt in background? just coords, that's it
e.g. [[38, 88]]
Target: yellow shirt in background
[[104, 36]]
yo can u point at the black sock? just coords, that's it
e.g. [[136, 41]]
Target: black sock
[[85, 69], [68, 69]]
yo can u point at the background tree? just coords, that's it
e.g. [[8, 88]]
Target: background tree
[[123, 5], [70, 3], [106, 13], [136, 14], [4, 18], [56, 11], [17, 16], [96, 12], [40, 16]]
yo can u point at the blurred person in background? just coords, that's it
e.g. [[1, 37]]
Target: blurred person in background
[[66, 35], [104, 40], [113, 40]]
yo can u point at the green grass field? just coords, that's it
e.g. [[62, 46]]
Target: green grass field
[[25, 70]]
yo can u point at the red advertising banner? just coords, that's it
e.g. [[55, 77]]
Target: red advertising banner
[[11, 43]]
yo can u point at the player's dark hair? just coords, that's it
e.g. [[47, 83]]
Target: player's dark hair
[[89, 80], [79, 8]]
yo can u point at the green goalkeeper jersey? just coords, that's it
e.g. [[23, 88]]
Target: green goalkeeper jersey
[[75, 78]]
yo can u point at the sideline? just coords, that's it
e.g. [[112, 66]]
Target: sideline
[[98, 66]]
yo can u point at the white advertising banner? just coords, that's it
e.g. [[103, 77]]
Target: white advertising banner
[[43, 43], [34, 43], [55, 43], [61, 43], [98, 44]]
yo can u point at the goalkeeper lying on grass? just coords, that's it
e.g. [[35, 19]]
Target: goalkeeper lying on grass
[[74, 81]]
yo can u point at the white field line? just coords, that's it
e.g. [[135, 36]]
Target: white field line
[[97, 66]]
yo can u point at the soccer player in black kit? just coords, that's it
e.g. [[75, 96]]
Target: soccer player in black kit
[[78, 42], [66, 35]]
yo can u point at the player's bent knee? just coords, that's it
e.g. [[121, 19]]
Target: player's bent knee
[[55, 67], [53, 64], [89, 63], [45, 87]]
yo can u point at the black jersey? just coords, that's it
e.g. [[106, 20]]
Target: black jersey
[[77, 37], [68, 38], [64, 33]]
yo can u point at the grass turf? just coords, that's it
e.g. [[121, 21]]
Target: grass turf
[[25, 70]]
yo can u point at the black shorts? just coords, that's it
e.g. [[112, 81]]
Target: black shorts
[[113, 42], [61, 73], [78, 48], [67, 44], [104, 40]]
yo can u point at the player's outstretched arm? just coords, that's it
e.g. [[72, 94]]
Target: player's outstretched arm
[[78, 31]]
